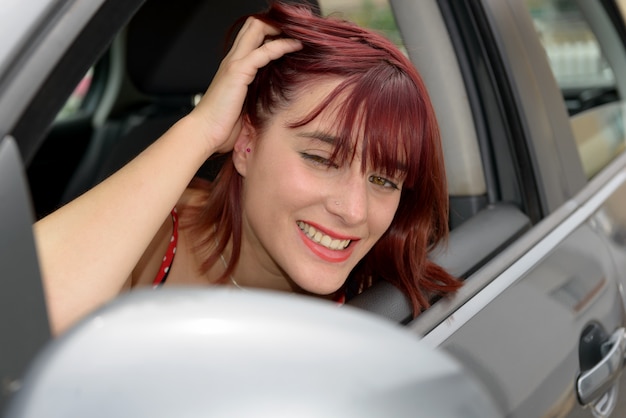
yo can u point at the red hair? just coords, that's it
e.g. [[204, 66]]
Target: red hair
[[385, 101]]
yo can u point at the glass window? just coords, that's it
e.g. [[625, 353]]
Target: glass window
[[573, 50], [76, 99], [586, 79]]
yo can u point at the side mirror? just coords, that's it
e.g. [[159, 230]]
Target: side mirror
[[221, 352]]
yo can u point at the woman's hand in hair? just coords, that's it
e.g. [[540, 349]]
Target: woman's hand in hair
[[219, 111]]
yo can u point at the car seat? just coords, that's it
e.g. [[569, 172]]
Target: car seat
[[172, 51]]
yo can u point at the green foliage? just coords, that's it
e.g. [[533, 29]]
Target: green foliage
[[371, 14]]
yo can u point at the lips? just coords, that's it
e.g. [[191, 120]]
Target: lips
[[323, 239], [330, 248]]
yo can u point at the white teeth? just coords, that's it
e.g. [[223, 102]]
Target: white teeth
[[323, 239]]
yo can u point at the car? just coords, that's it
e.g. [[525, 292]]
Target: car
[[529, 96]]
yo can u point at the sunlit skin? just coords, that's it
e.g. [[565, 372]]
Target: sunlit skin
[[289, 183], [307, 219]]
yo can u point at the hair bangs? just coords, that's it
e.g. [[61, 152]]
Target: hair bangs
[[392, 131], [377, 112]]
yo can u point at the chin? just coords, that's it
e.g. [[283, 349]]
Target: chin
[[319, 289]]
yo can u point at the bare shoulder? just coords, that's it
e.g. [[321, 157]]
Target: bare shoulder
[[150, 262], [148, 266]]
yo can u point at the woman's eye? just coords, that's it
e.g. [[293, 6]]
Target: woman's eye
[[383, 182], [318, 160]]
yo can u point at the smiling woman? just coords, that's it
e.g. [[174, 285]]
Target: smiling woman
[[335, 180]]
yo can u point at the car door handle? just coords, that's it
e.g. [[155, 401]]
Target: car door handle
[[596, 381]]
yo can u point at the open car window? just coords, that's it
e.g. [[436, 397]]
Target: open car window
[[464, 168], [488, 210]]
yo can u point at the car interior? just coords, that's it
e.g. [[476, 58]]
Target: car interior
[[150, 76]]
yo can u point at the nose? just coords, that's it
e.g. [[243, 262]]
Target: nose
[[349, 200]]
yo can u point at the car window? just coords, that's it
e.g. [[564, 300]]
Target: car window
[[586, 79], [77, 98], [464, 169]]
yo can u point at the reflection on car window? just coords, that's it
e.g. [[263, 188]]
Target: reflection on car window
[[586, 81], [373, 14], [600, 135], [573, 51], [75, 101]]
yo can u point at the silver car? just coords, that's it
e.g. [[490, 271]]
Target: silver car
[[528, 94]]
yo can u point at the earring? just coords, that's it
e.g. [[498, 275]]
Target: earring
[[248, 149]]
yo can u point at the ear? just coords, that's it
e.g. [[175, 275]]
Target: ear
[[244, 147]]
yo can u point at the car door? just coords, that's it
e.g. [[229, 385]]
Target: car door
[[541, 321], [21, 291], [45, 48]]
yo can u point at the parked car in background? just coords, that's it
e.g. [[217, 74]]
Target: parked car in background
[[530, 97]]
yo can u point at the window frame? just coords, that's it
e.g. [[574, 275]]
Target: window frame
[[543, 115], [80, 39]]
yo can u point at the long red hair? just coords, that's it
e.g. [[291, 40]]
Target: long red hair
[[385, 101]]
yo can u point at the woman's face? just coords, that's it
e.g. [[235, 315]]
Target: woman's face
[[306, 217]]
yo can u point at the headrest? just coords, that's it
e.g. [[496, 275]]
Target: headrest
[[175, 47]]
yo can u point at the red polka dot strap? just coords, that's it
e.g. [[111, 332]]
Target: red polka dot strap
[[168, 258], [340, 299]]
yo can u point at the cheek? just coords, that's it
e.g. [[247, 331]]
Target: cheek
[[279, 185], [381, 215]]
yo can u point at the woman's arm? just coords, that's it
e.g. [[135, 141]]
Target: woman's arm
[[89, 247]]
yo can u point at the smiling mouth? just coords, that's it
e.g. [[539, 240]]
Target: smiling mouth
[[323, 239]]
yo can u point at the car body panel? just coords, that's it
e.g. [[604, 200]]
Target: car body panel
[[524, 336], [521, 332]]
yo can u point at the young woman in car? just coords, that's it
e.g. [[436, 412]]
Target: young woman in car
[[336, 180]]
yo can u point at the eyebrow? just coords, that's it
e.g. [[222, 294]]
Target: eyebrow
[[332, 140], [321, 136]]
